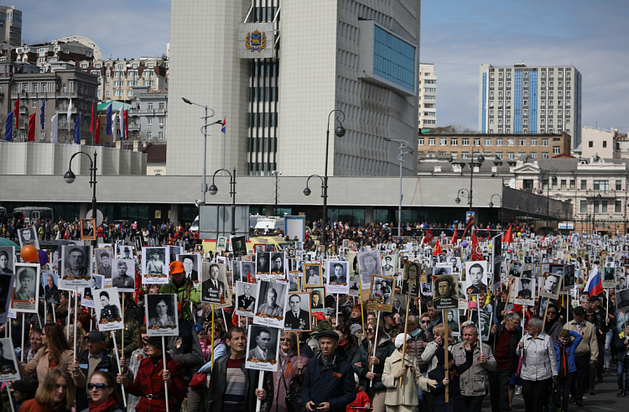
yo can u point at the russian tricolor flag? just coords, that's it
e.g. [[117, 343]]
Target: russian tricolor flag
[[224, 125], [594, 286]]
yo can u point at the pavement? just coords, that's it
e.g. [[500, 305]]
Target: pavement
[[604, 400]]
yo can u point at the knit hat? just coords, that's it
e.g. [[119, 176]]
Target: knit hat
[[153, 340]]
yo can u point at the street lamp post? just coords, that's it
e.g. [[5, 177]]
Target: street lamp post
[[491, 204], [69, 177], [548, 173], [596, 199], [403, 150], [339, 131], [232, 192], [204, 132], [479, 161], [277, 175]]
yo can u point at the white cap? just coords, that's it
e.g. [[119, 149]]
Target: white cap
[[399, 340]]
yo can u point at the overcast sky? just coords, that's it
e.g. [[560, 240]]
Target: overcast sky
[[457, 36]]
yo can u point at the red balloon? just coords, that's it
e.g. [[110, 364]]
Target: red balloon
[[29, 253]]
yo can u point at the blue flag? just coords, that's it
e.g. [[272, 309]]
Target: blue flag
[[77, 129], [8, 127], [108, 127], [42, 116]]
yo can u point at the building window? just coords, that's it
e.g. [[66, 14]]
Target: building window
[[488, 141], [465, 141], [465, 155], [431, 141], [443, 141], [149, 135], [510, 141], [545, 141], [454, 141], [522, 142], [160, 135], [545, 155], [499, 155], [477, 141], [604, 206], [584, 184], [533, 155], [573, 184], [162, 105], [583, 206], [617, 206], [510, 155], [618, 185], [563, 184], [499, 141], [533, 142], [556, 150], [604, 143], [596, 208], [149, 121], [601, 185], [420, 141]]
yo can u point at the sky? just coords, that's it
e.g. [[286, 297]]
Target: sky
[[456, 35]]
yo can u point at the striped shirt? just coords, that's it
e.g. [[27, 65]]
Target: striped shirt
[[234, 398]]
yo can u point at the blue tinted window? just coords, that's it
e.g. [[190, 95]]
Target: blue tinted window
[[394, 59]]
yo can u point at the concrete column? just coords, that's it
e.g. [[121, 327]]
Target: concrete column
[[368, 215], [174, 213]]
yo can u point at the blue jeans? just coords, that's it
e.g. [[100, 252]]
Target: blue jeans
[[623, 368], [608, 343]]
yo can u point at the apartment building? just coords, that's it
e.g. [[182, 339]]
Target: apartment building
[[427, 96]]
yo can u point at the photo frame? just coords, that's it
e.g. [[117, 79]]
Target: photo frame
[[263, 345], [124, 252], [155, 265], [9, 370], [28, 236], [476, 277], [312, 275], [369, 265], [445, 292], [191, 267], [263, 262], [317, 300], [214, 285], [246, 294], [609, 277], [50, 283], [550, 285], [108, 310], [524, 291], [7, 281], [337, 276], [271, 304], [382, 292], [161, 315], [123, 275], [76, 266], [221, 243], [7, 260], [453, 319], [298, 316], [238, 245], [88, 229], [104, 258], [411, 278], [484, 325]]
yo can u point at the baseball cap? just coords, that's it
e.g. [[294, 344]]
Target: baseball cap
[[96, 336], [176, 267]]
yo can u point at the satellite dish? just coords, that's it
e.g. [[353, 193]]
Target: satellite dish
[[99, 216]]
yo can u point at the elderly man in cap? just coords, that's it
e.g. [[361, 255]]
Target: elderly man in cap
[[95, 358], [184, 288], [586, 353], [329, 380]]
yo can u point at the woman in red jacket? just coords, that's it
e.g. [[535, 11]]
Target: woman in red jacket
[[147, 382]]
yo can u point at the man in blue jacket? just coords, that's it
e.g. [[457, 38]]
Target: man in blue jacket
[[566, 363], [329, 380]]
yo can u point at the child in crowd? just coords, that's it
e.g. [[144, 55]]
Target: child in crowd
[[565, 349], [361, 401], [456, 402]]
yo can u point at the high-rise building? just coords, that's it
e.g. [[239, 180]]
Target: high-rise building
[[427, 96], [276, 69], [10, 25], [520, 99]]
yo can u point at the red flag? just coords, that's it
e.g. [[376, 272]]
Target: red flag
[[31, 128], [428, 237], [508, 237], [437, 250], [475, 254], [453, 242], [126, 123], [16, 113], [97, 134], [92, 122]]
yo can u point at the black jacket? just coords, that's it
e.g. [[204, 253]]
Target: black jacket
[[218, 384], [333, 383], [514, 358]]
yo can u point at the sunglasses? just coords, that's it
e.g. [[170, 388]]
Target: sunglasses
[[99, 386], [285, 339], [552, 313], [369, 330], [426, 322]]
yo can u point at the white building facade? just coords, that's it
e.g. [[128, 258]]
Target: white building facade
[[276, 70], [427, 96]]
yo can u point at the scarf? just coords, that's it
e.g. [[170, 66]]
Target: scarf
[[563, 362], [108, 405]]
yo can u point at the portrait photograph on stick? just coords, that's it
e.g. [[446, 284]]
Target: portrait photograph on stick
[[524, 289], [7, 259], [445, 292], [123, 275], [312, 275], [8, 363], [155, 265], [484, 325], [263, 344], [410, 278], [124, 252], [26, 290], [549, 285], [161, 314], [298, 316], [369, 264], [271, 304], [76, 266], [104, 258], [88, 229], [262, 262], [28, 236], [337, 277], [191, 267], [214, 285], [382, 291], [6, 291], [51, 287], [238, 246], [476, 277], [317, 300], [107, 308], [246, 298]]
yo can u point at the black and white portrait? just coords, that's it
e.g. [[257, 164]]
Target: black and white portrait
[[123, 276], [442, 269], [312, 273], [382, 292], [8, 363], [262, 262], [238, 245], [221, 243], [76, 266], [569, 279], [369, 264], [452, 316], [191, 266], [337, 276], [246, 298], [609, 277], [107, 308], [51, 287], [277, 264], [549, 285], [161, 315], [445, 293], [476, 277], [622, 300], [411, 278], [248, 271], [28, 236], [388, 264], [298, 313], [104, 258], [124, 252], [214, 288], [484, 326], [7, 259], [524, 291], [317, 302], [262, 348], [7, 280], [515, 271], [271, 304], [88, 229], [293, 281], [173, 251], [155, 265], [236, 277], [26, 291]]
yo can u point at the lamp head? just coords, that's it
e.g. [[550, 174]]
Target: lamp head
[[69, 177], [497, 161], [339, 130], [213, 189], [186, 100], [457, 200], [481, 158], [307, 191], [491, 204]]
